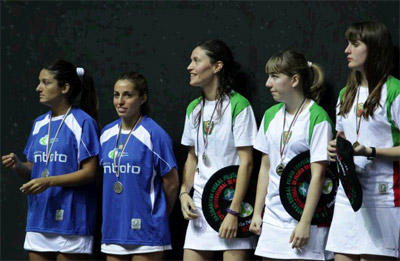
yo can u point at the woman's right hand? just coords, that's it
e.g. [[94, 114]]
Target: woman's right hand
[[255, 226], [187, 207], [11, 161], [332, 147]]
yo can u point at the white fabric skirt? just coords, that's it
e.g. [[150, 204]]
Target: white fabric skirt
[[274, 243], [370, 231], [200, 236], [47, 242], [116, 249]]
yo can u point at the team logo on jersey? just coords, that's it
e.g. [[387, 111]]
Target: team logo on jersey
[[111, 154], [114, 153], [207, 127], [286, 136], [359, 109], [43, 140]]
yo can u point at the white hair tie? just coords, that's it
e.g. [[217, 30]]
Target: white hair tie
[[309, 64], [80, 71]]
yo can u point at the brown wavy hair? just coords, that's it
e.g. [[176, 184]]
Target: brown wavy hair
[[377, 66]]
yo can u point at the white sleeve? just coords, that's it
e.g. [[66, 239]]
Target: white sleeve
[[189, 132], [245, 128], [321, 136], [339, 126], [395, 111], [261, 139]]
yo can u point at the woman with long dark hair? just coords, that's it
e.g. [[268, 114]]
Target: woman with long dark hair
[[368, 115], [219, 131], [61, 164]]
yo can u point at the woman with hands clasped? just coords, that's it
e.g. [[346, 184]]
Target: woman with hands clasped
[[368, 115], [61, 164], [219, 131], [294, 125]]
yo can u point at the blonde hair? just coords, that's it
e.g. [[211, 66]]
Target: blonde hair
[[310, 74]]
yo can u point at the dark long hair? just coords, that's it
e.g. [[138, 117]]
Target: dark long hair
[[81, 93], [377, 67], [310, 74], [217, 50], [140, 85]]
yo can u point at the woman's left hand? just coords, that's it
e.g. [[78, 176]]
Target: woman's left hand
[[300, 235], [228, 227], [35, 186], [361, 150]]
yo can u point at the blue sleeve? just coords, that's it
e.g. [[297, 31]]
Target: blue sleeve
[[164, 158], [89, 144]]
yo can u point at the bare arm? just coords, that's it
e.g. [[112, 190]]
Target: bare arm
[[228, 227], [12, 162], [392, 153], [82, 176], [301, 233], [171, 185], [262, 190], [189, 170]]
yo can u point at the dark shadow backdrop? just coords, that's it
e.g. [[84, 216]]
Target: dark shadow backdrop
[[156, 39]]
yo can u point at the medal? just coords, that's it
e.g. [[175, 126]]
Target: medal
[[118, 187], [45, 173], [206, 130], [204, 158], [286, 135], [280, 168]]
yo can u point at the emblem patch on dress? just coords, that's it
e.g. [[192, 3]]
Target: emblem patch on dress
[[60, 214], [383, 187], [207, 127], [136, 223]]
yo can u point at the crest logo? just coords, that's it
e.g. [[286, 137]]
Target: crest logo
[[359, 109], [207, 126], [43, 140], [286, 136], [111, 154]]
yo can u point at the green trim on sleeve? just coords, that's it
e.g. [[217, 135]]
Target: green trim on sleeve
[[192, 105], [238, 104], [269, 115], [393, 91], [317, 115], [341, 93]]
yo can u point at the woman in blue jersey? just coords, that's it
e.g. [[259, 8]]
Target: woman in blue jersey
[[368, 115], [140, 181], [61, 164], [294, 125], [219, 131]]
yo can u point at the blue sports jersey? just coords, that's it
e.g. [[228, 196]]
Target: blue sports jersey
[[138, 215], [63, 210]]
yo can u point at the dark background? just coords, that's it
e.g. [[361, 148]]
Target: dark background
[[156, 39]]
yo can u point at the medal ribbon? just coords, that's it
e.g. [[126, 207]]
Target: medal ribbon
[[287, 138], [358, 122], [123, 148], [205, 139], [48, 150]]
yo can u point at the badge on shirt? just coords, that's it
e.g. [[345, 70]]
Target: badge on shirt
[[60, 214], [383, 187], [136, 223]]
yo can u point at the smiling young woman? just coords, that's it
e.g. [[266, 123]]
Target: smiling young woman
[[140, 181], [219, 131]]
